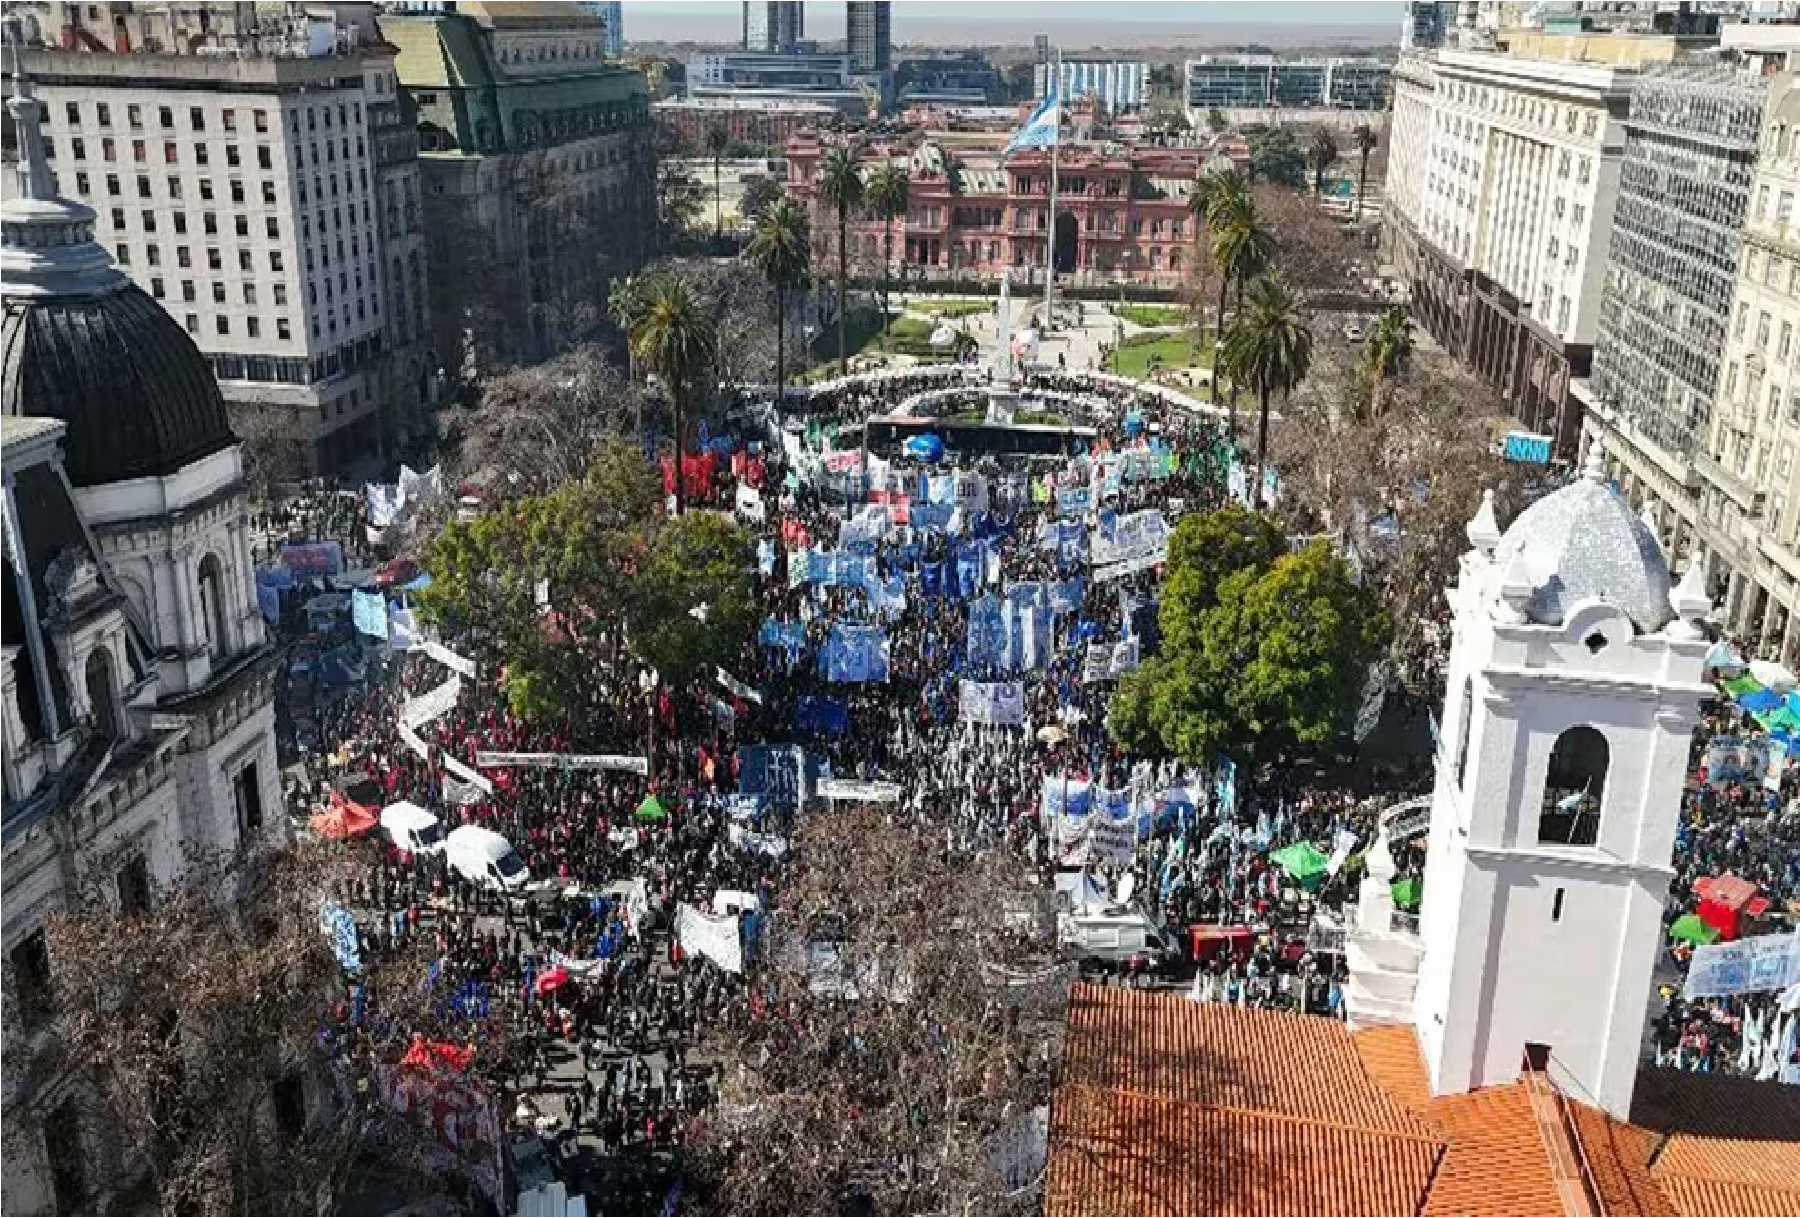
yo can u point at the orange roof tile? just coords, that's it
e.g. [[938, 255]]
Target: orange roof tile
[[1617, 1158], [1718, 1199], [1495, 1162], [1225, 1057], [1115, 1152], [1390, 1054]]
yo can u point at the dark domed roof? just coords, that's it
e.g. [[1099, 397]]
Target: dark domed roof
[[82, 344], [139, 398]]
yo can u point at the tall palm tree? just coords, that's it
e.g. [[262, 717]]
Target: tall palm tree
[[780, 249], [1270, 349], [1364, 141], [1210, 189], [1321, 154], [624, 302], [675, 337], [717, 141], [1242, 249], [889, 190], [841, 188], [1386, 352]]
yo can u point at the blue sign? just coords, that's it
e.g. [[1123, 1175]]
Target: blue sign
[[1524, 446]]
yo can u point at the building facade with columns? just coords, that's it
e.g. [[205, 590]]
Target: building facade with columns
[[1503, 172], [137, 687]]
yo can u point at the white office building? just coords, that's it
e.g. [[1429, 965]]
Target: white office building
[[1121, 85]]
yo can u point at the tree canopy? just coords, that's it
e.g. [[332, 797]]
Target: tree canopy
[[1262, 650]]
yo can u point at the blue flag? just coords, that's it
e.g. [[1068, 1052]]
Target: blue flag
[[1042, 129]]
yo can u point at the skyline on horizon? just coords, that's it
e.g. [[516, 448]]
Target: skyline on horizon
[[1069, 24]]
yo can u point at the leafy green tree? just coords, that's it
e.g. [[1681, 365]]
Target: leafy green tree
[[1276, 662], [1362, 139], [676, 338], [1275, 156], [1205, 550], [889, 188], [780, 248], [761, 193], [624, 304], [1386, 353], [690, 604], [1269, 349], [841, 188], [1321, 154]]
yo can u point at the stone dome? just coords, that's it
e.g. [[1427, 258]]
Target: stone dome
[[1584, 542], [81, 343]]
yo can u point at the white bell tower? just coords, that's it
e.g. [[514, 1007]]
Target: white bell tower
[[1572, 692]]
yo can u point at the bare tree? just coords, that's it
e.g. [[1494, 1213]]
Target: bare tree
[[898, 1031], [1313, 251], [536, 428]]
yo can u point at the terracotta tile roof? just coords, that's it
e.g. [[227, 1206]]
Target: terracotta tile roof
[[1117, 1152], [1495, 1161], [1225, 1057], [1717, 1199], [1617, 1157], [1727, 1146], [1390, 1054]]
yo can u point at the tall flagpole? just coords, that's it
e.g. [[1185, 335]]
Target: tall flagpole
[[1055, 73]]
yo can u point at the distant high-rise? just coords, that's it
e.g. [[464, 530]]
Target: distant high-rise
[[869, 35], [1426, 25], [774, 27], [612, 12]]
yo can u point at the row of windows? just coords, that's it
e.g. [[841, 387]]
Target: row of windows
[[171, 152], [165, 117], [209, 223], [1510, 104], [215, 261]]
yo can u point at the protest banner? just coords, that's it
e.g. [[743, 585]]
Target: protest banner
[[414, 741], [564, 761], [861, 792], [737, 687], [313, 559], [995, 702], [461, 793], [429, 705], [1109, 661], [717, 939], [368, 612], [449, 659], [473, 777], [1130, 537], [1763, 963]]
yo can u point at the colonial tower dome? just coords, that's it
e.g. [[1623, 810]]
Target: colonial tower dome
[[80, 342], [1580, 542]]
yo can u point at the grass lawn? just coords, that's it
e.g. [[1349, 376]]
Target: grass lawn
[[1142, 354], [904, 327], [951, 309], [1153, 315]]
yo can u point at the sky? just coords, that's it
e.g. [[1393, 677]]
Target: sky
[[1121, 23]]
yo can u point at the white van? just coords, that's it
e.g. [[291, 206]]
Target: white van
[[412, 828], [484, 858], [1113, 936]]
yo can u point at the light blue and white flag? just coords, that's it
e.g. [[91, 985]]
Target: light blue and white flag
[[1041, 130]]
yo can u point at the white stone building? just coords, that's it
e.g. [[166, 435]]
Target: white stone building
[[240, 192], [1574, 683], [137, 685], [1502, 174]]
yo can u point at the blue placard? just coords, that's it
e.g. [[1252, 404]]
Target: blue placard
[[1524, 446]]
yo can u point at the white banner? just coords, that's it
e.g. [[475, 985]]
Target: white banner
[[1132, 537], [1346, 842], [566, 761], [1110, 840], [461, 793], [473, 777], [414, 741], [997, 702], [863, 792], [1109, 661], [449, 659], [431, 704], [737, 687], [1748, 966], [715, 938], [749, 504], [1131, 566]]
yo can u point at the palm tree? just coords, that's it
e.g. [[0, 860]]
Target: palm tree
[[1386, 352], [1269, 348], [718, 139], [1363, 140], [888, 192], [1242, 249], [841, 187], [1215, 183], [675, 337], [1321, 154], [624, 301], [780, 250]]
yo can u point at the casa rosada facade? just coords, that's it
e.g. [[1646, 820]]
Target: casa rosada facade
[[1122, 213]]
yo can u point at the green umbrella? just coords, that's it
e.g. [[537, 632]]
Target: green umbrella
[[1690, 929], [1739, 686], [1406, 891], [651, 809], [1302, 860]]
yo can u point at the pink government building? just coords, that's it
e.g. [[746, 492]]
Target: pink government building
[[1122, 212]]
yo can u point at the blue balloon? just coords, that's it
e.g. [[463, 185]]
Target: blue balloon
[[927, 447]]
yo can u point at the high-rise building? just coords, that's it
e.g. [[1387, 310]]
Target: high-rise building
[[1425, 25], [240, 192], [1503, 172], [1120, 85], [1268, 82], [1684, 190], [869, 35], [536, 163], [612, 13], [774, 27]]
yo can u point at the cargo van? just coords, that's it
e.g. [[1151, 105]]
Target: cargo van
[[484, 858], [1118, 938], [412, 828]]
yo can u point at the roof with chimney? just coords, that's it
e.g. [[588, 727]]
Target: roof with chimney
[[1168, 1106]]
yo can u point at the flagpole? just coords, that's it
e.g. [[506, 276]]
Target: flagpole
[[1050, 233]]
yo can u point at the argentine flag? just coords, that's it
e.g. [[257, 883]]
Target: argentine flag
[[1042, 128]]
